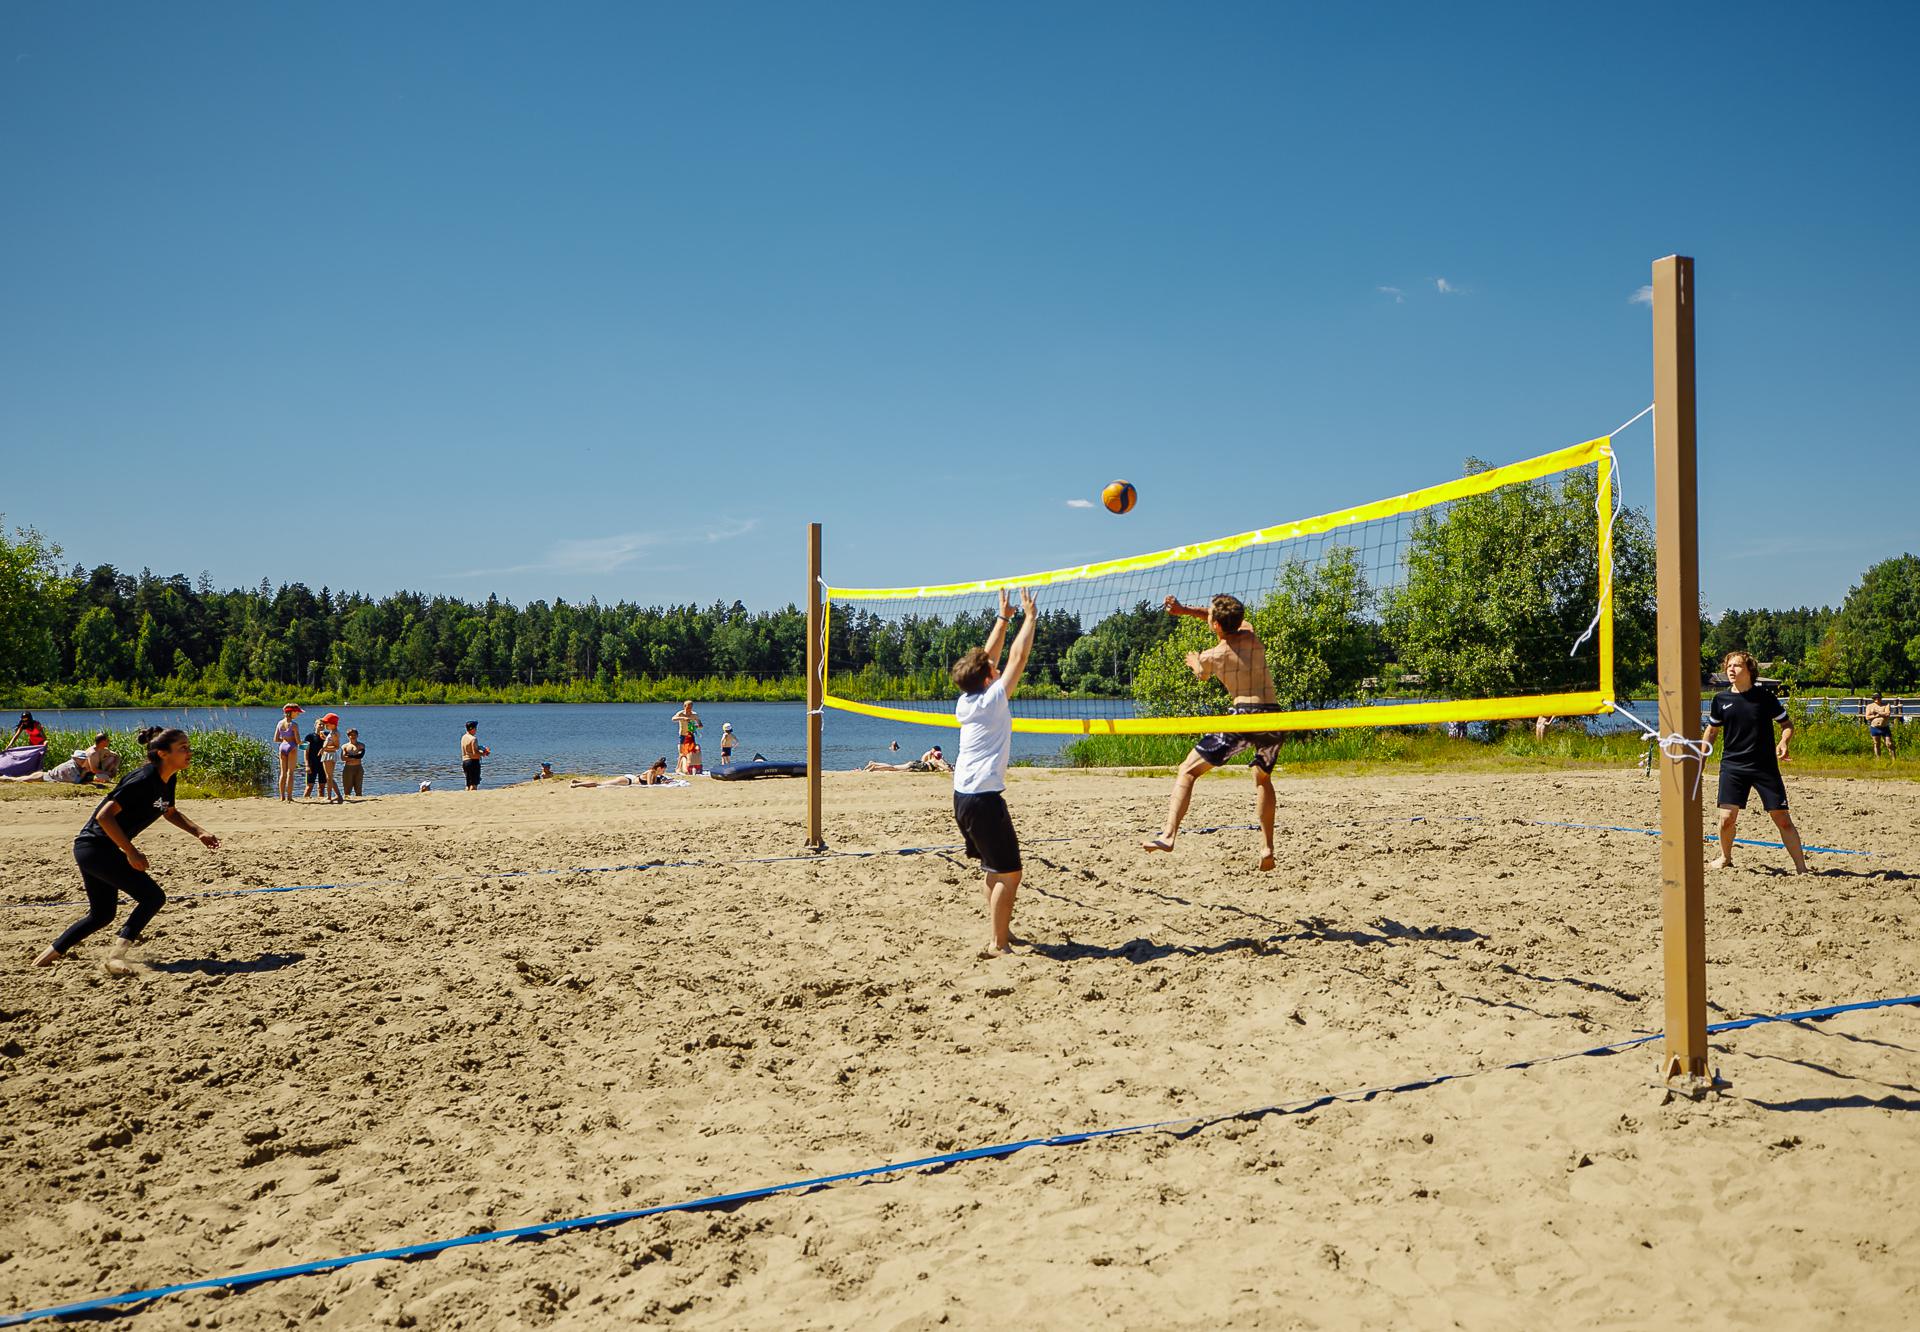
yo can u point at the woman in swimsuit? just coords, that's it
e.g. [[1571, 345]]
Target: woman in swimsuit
[[286, 738]]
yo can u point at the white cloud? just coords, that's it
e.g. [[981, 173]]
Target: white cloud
[[1644, 296], [1079, 504], [1445, 288], [604, 555], [1399, 297]]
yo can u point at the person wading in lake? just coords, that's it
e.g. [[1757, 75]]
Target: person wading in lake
[[110, 864], [471, 752]]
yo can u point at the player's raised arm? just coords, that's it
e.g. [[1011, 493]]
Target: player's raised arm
[[1022, 641], [997, 636]]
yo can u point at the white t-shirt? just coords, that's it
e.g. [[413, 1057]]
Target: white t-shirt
[[986, 740]]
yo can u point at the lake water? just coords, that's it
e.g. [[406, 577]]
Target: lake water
[[408, 744]]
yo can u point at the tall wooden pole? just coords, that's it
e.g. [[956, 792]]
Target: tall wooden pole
[[1682, 873], [816, 687]]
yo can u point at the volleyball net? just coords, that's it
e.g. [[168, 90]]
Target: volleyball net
[[1483, 598]]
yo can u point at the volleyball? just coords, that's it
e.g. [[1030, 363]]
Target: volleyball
[[1119, 496]]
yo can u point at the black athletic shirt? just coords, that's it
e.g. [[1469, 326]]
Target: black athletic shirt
[[142, 798], [1748, 721]]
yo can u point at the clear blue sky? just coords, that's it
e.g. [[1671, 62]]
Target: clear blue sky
[[610, 299]]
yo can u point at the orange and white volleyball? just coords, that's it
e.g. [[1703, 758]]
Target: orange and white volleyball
[[1119, 496]]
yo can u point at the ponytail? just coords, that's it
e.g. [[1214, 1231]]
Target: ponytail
[[155, 739]]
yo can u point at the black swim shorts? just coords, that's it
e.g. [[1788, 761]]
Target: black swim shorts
[[988, 829], [1220, 746], [1736, 782]]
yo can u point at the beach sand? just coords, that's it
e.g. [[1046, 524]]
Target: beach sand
[[447, 1050]]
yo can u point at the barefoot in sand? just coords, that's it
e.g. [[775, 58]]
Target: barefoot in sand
[[1725, 862], [1157, 844], [1266, 862], [48, 956]]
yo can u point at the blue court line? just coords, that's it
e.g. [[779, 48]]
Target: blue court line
[[242, 1280], [865, 855]]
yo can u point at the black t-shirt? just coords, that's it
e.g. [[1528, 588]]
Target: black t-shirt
[[142, 798], [1748, 721], [315, 743]]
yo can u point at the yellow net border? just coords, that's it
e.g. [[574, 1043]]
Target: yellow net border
[[1586, 703]]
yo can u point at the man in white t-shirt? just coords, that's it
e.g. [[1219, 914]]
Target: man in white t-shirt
[[985, 713]]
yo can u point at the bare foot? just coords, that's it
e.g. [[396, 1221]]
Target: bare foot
[[1157, 844], [48, 956], [993, 950], [1266, 862], [1724, 862], [119, 966]]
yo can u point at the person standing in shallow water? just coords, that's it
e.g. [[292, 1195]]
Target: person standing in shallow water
[[110, 864], [471, 752]]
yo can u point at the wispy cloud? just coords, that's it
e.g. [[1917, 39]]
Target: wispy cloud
[[606, 554], [1399, 296], [1644, 296], [1079, 504], [1446, 288]]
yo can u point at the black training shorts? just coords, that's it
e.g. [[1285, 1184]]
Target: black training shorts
[[1735, 782], [1220, 746], [988, 828]]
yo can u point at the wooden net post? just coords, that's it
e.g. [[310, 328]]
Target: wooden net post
[[1682, 873], [816, 687]]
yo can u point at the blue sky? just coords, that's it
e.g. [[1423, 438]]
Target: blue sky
[[610, 300]]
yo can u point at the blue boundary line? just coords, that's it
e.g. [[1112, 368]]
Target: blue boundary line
[[243, 1280], [859, 855]]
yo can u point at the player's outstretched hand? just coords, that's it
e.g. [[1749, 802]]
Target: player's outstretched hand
[[1027, 604], [1006, 608], [209, 841], [1172, 603]]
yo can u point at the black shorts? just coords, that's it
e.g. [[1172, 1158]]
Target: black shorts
[[988, 828], [1220, 746], [1736, 782]]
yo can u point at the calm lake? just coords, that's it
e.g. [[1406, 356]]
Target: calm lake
[[408, 744]]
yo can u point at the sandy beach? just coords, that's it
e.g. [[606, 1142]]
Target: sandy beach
[[449, 1048]]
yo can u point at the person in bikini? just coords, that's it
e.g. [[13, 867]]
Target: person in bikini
[[1239, 662], [653, 776], [931, 761]]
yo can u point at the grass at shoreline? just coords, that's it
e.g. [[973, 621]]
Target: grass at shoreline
[[226, 764]]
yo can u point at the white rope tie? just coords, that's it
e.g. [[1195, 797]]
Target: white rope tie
[[1635, 417], [1678, 748]]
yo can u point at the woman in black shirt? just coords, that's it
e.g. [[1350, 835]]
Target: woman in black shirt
[[110, 864]]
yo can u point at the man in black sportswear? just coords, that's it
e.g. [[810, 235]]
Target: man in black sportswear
[[1746, 710]]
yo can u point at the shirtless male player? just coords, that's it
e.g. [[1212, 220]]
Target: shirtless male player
[[1238, 662]]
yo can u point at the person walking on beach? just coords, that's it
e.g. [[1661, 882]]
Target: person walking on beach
[[286, 739], [726, 743], [110, 864], [1879, 719], [352, 772], [471, 752], [1750, 761], [1238, 661], [985, 713]]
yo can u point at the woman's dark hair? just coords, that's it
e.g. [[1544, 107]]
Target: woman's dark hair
[[155, 739], [101, 738]]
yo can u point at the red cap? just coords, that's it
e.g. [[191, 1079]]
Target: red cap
[[331, 716], [293, 707]]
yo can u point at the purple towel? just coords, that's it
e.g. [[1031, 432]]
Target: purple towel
[[22, 761]]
